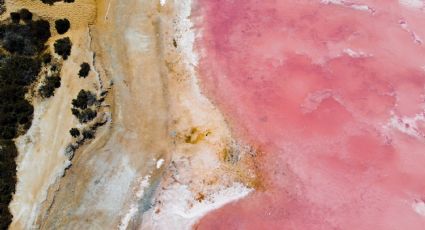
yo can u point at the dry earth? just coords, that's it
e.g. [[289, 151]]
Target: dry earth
[[166, 156]]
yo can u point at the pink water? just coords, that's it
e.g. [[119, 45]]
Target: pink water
[[315, 86]]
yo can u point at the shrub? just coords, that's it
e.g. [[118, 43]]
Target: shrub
[[84, 99], [8, 154], [47, 58], [81, 105], [40, 29], [63, 47], [62, 25], [26, 15], [19, 69], [87, 115], [28, 39], [75, 112], [84, 70], [74, 132], [88, 134], [50, 2], [15, 16], [49, 85]]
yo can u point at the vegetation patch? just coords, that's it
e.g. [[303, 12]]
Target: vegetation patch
[[51, 2], [84, 70], [8, 153], [62, 25], [25, 39], [84, 106], [63, 47], [74, 132], [50, 83], [22, 54]]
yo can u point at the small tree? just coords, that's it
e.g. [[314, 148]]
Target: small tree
[[41, 30], [26, 15], [75, 112], [62, 25], [74, 132], [15, 16], [63, 47], [49, 85], [84, 70], [88, 134], [87, 115], [47, 58], [84, 99], [50, 2]]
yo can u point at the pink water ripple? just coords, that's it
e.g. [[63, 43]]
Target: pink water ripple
[[333, 93]]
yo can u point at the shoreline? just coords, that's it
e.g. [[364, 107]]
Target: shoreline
[[162, 128]]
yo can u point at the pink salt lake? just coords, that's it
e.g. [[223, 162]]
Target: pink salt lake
[[333, 93]]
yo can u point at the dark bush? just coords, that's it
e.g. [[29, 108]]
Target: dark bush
[[87, 115], [8, 154], [84, 70], [75, 112], [53, 67], [81, 105], [62, 25], [74, 132], [50, 2], [15, 16], [28, 39], [19, 68], [88, 134], [26, 15], [47, 89], [47, 58], [63, 47], [40, 29], [84, 99]]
